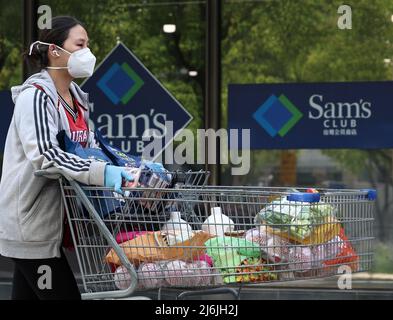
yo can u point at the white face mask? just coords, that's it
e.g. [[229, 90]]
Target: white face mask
[[80, 64]]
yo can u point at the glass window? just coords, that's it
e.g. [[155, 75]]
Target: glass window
[[285, 41]]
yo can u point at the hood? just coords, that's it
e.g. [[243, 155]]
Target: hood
[[44, 80]]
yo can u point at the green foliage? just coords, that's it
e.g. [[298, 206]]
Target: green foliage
[[383, 258]]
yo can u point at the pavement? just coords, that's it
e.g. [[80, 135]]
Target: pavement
[[365, 286]]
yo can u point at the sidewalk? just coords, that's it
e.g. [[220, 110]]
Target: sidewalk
[[364, 287]]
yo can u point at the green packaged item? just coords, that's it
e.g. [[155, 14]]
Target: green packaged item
[[228, 253], [301, 222]]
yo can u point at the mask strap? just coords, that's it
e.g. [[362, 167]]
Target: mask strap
[[45, 43], [32, 45], [57, 68]]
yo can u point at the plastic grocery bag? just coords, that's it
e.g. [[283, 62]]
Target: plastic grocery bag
[[300, 222], [338, 251]]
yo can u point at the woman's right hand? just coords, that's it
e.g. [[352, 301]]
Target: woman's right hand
[[114, 177]]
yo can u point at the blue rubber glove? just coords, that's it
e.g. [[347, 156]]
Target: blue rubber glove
[[114, 177]]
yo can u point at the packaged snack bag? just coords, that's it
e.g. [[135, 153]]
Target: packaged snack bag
[[153, 247]]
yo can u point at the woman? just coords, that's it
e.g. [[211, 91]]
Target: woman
[[31, 210]]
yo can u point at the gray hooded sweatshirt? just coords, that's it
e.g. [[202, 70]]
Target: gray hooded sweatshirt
[[31, 208]]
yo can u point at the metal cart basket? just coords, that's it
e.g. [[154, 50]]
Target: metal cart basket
[[204, 237]]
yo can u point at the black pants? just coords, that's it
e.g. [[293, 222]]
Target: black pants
[[44, 279]]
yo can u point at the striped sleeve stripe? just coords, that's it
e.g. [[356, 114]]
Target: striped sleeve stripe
[[43, 137], [37, 131], [71, 159], [76, 160], [59, 159], [69, 167], [55, 155], [62, 155], [47, 122]]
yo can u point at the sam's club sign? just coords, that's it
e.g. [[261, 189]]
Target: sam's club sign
[[314, 115], [127, 100]]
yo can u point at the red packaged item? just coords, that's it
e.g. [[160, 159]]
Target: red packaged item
[[346, 254]]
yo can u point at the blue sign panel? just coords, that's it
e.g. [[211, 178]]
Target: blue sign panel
[[314, 115], [7, 110], [127, 100]]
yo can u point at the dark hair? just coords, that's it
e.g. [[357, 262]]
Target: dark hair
[[57, 35]]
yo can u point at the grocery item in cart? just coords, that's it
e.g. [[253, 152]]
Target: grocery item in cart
[[255, 270], [229, 252], [300, 222], [153, 173], [217, 223], [203, 270], [205, 258], [178, 274], [153, 246], [122, 278], [153, 176], [126, 236], [274, 248], [260, 235], [277, 249], [150, 276], [174, 273], [338, 251], [300, 259], [136, 173], [148, 174], [176, 228]]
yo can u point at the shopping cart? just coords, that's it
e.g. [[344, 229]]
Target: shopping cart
[[226, 237]]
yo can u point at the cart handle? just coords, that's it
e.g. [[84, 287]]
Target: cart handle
[[304, 197], [371, 194], [231, 291]]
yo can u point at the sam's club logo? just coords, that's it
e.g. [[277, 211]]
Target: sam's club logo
[[277, 115], [120, 83]]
